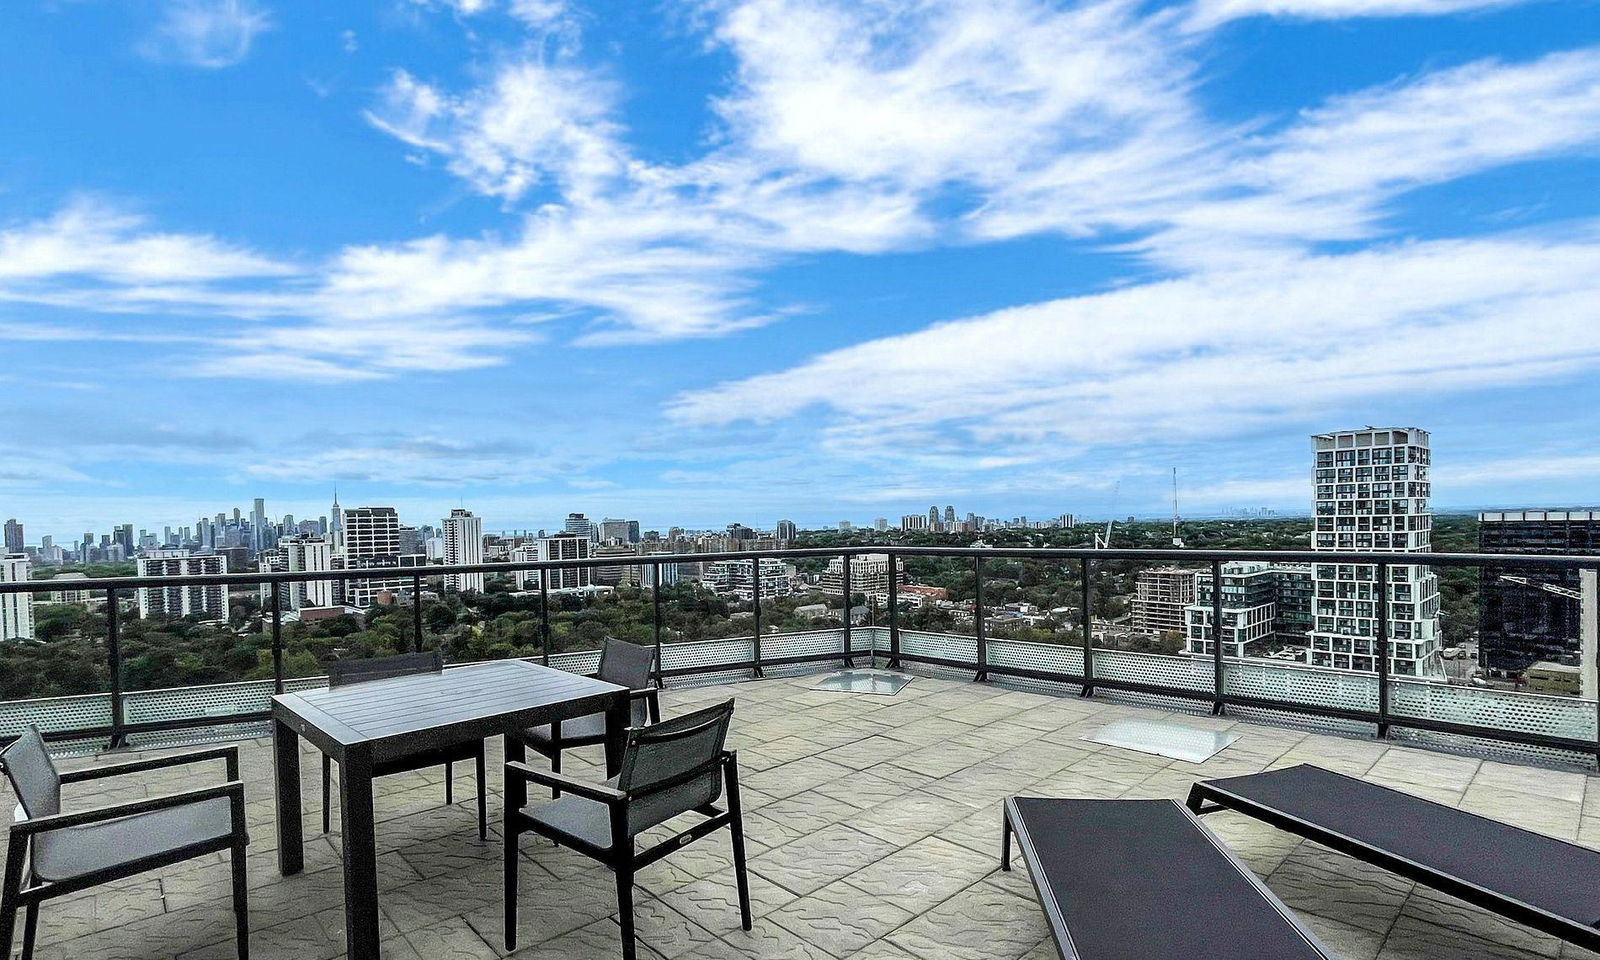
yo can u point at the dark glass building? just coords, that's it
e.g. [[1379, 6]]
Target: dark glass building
[[1526, 616]]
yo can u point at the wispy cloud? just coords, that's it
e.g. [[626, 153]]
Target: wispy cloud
[[206, 33], [1210, 13]]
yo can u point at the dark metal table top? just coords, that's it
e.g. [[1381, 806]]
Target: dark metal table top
[[405, 711]]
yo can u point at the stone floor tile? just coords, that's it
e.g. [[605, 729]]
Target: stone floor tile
[[840, 918], [982, 922]]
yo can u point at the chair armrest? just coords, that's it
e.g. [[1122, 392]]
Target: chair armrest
[[228, 754], [652, 698], [583, 788], [115, 811]]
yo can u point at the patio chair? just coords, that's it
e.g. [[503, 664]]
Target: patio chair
[[625, 664], [674, 767], [342, 672], [50, 853]]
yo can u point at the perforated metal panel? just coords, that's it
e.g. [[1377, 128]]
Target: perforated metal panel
[[1190, 673], [706, 653], [1336, 688], [60, 713], [802, 644], [945, 646], [1054, 657], [576, 661], [1499, 709]]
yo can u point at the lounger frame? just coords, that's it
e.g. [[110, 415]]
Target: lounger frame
[[1209, 797], [1015, 824]]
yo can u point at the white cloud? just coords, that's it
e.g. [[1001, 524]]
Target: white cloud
[[1210, 13], [1213, 354], [206, 33], [533, 124], [97, 241]]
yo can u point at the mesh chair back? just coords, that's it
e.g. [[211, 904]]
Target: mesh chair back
[[656, 771], [342, 672], [33, 774], [628, 665]]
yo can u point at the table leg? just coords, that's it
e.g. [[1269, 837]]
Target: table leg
[[286, 761], [516, 788], [619, 716], [360, 856]]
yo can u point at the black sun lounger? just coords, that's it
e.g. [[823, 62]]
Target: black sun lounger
[[1143, 880], [1546, 883]]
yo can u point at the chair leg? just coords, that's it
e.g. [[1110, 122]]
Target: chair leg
[[625, 912], [510, 883], [483, 796], [327, 780], [241, 904], [449, 782], [736, 828], [16, 852], [30, 929]]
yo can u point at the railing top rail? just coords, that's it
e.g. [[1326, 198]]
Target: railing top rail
[[1546, 561]]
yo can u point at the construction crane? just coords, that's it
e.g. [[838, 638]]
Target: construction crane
[[1556, 589], [1177, 533], [1102, 541]]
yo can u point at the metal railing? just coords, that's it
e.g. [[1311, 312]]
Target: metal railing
[[887, 640]]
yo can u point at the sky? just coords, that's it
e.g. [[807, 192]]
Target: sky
[[703, 261]]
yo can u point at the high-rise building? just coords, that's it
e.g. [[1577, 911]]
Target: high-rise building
[[182, 601], [13, 536], [737, 578], [1160, 594], [463, 544], [613, 530], [933, 520], [786, 530], [1260, 601], [582, 526], [949, 516], [881, 524], [562, 546], [1526, 616], [336, 523], [307, 553], [869, 574], [16, 609], [258, 526], [1372, 494], [912, 521], [371, 541], [123, 535], [738, 531]]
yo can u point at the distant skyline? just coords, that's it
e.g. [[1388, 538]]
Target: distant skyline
[[699, 261]]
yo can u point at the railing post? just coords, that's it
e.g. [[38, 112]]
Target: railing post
[[1084, 572], [114, 660], [416, 610], [1588, 586], [755, 612], [544, 612], [849, 593], [977, 621], [277, 637], [894, 612], [1381, 608], [655, 608], [1219, 687]]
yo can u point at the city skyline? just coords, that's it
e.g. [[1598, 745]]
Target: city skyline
[[1029, 255]]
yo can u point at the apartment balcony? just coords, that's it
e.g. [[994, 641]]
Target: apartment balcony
[[873, 821]]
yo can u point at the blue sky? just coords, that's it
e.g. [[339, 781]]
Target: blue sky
[[698, 261]]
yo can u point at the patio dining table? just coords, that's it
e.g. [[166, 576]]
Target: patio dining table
[[367, 723]]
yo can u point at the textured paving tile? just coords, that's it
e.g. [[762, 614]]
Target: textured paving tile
[[873, 828], [840, 918]]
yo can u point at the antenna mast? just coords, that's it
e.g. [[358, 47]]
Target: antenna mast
[[1177, 532]]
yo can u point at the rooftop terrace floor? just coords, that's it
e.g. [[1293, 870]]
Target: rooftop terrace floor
[[873, 825]]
